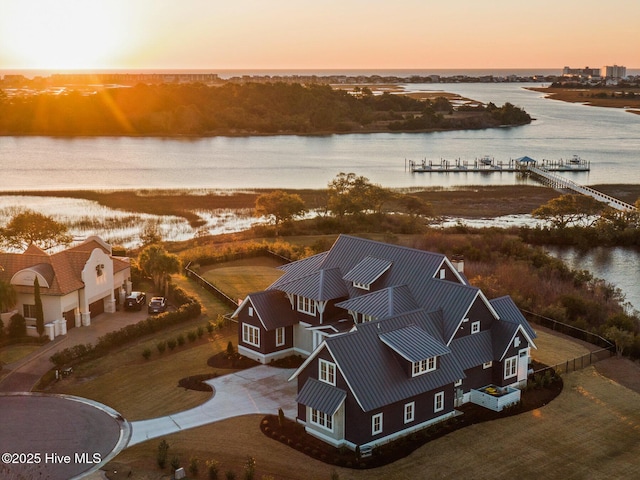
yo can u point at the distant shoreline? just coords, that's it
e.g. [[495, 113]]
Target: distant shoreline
[[594, 97]]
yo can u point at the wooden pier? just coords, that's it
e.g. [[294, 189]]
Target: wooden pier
[[488, 164]]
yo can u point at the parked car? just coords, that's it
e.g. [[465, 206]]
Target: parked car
[[135, 301], [157, 305]]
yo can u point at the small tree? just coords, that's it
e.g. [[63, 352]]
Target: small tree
[[32, 228], [8, 296], [212, 469], [250, 468], [158, 264], [163, 450], [622, 339], [39, 309], [280, 206]]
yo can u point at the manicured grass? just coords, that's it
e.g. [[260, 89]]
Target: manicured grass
[[241, 277], [554, 349], [13, 353]]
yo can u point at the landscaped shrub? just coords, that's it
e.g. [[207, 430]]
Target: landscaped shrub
[[180, 339], [200, 331], [210, 328], [17, 326], [146, 353], [191, 335], [193, 466], [212, 469], [171, 344], [175, 462], [161, 346]]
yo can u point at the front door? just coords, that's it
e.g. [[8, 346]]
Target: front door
[[458, 398]]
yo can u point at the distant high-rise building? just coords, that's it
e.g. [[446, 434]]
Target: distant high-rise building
[[585, 72], [614, 72]]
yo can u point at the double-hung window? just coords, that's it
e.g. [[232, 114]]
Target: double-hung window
[[376, 424], [250, 335], [279, 336], [510, 367], [322, 419], [306, 305], [327, 372], [29, 311]]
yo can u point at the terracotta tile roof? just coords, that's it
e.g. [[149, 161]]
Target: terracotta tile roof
[[66, 266]]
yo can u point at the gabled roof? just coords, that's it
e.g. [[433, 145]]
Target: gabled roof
[[299, 268], [385, 303], [413, 344], [368, 270], [453, 299], [473, 350], [374, 374], [319, 285], [321, 396], [508, 311], [272, 308]]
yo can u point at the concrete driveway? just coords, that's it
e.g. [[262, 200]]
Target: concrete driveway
[[262, 389]]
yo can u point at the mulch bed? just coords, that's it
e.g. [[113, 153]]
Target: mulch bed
[[293, 434], [237, 362]]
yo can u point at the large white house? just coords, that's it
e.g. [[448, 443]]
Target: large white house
[[76, 284]]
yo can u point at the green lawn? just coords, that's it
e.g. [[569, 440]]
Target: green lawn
[[239, 278], [13, 353]]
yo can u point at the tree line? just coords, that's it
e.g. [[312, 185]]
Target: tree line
[[250, 108]]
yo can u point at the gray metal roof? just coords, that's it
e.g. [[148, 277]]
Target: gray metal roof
[[299, 268], [413, 343], [502, 333], [319, 285], [509, 312], [273, 309], [382, 303], [373, 371], [454, 299], [321, 396], [473, 350], [368, 270]]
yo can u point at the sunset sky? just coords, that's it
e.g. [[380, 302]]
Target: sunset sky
[[329, 34]]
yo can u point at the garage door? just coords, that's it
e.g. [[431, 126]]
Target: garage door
[[70, 317], [96, 308]]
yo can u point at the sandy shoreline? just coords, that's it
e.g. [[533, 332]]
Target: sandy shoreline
[[595, 97]]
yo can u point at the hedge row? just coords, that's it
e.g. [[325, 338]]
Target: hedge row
[[189, 309]]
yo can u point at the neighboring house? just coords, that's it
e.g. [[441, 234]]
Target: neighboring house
[[395, 340], [76, 284]]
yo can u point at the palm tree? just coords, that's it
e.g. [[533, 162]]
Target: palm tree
[[8, 296]]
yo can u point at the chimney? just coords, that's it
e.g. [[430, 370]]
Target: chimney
[[458, 262]]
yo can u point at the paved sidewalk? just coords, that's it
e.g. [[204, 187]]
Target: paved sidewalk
[[25, 373], [262, 389]]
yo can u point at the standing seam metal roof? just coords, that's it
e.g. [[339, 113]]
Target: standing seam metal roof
[[413, 343], [382, 303], [368, 270], [321, 396]]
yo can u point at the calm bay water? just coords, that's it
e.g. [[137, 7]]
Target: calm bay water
[[609, 138]]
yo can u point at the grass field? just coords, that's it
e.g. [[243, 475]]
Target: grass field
[[239, 278], [13, 353]]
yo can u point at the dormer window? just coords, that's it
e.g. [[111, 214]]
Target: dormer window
[[424, 366], [362, 286], [307, 305]]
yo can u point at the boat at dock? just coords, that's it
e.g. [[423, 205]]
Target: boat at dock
[[488, 164]]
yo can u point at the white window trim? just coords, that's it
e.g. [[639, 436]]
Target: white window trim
[[367, 318], [458, 383], [516, 342], [475, 327], [362, 286], [438, 402], [306, 305], [280, 336], [29, 310], [409, 412], [511, 367], [327, 372], [250, 335], [443, 274], [316, 417], [250, 312], [423, 366], [488, 364], [376, 424]]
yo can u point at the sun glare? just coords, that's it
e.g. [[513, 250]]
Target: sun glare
[[63, 34]]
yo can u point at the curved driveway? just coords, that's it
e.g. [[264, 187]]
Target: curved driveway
[[262, 390]]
